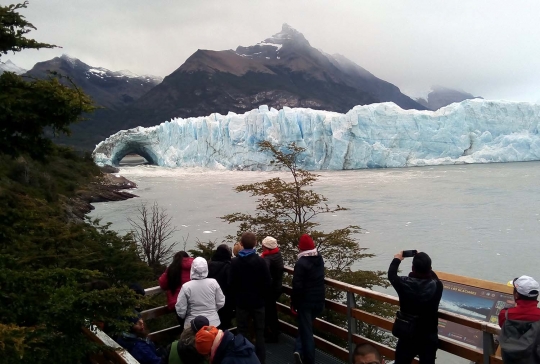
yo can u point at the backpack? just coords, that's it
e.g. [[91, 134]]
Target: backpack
[[520, 341]]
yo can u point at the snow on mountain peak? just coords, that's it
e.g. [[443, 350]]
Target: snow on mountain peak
[[9, 66], [71, 60], [270, 47]]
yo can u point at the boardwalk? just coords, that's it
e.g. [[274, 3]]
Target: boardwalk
[[282, 353]]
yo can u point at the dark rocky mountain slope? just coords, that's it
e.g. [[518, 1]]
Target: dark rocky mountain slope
[[441, 96], [111, 91], [283, 70]]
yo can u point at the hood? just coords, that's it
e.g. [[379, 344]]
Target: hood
[[199, 269], [242, 347], [420, 290]]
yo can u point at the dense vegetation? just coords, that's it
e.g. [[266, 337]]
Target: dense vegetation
[[48, 256]]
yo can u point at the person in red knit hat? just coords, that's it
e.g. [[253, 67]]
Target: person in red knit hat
[[307, 298]]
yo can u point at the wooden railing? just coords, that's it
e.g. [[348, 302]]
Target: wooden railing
[[486, 355]]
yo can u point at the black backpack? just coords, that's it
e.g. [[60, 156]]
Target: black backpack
[[520, 341]]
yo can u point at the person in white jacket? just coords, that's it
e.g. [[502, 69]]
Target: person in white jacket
[[201, 296]]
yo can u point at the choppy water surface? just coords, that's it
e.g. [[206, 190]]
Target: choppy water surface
[[476, 220]]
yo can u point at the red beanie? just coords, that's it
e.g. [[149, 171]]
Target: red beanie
[[306, 243]]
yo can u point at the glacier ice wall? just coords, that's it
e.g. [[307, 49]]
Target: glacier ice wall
[[370, 136]]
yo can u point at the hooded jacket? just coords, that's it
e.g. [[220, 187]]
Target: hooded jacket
[[164, 282], [234, 350], [308, 282], [250, 280], [418, 296], [201, 296]]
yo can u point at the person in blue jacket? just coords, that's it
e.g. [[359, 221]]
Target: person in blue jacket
[[223, 347], [138, 345]]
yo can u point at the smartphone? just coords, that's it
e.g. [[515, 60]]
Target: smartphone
[[409, 253]]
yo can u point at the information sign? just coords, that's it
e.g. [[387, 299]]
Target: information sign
[[474, 302]]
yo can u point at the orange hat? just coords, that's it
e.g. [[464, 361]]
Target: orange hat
[[205, 339]]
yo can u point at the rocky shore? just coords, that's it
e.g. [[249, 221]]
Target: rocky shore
[[110, 187]]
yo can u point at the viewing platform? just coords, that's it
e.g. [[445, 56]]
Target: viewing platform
[[328, 352]]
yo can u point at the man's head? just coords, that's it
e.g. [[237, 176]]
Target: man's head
[[526, 288], [421, 263], [248, 240], [139, 328], [367, 354]]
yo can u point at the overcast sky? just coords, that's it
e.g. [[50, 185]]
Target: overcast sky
[[489, 48]]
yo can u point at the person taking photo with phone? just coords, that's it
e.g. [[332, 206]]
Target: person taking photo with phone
[[416, 322]]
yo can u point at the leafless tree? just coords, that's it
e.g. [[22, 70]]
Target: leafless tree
[[152, 229]]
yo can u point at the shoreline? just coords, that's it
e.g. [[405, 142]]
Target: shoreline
[[110, 186]]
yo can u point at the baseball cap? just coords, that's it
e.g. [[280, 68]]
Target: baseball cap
[[526, 286]]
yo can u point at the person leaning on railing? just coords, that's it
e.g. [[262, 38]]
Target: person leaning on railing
[[419, 295]]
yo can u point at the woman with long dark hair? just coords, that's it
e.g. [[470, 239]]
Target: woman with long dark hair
[[174, 278]]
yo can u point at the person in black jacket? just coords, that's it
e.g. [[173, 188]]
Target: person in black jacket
[[219, 268], [307, 297], [250, 282], [274, 260], [419, 295]]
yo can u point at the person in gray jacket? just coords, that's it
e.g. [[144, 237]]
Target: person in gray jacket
[[274, 260], [201, 296]]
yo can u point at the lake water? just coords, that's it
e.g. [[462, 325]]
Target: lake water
[[479, 220]]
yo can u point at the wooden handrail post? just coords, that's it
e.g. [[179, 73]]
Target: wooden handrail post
[[351, 323], [488, 345]]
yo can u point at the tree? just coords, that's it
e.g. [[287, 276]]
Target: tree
[[152, 229], [48, 258], [29, 107], [288, 209], [13, 28]]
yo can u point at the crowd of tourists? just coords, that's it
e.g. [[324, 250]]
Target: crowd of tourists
[[207, 296], [240, 284]]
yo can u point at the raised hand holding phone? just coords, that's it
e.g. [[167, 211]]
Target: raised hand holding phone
[[409, 253]]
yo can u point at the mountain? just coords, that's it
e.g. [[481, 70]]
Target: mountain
[[441, 96], [11, 67], [283, 70], [111, 91]]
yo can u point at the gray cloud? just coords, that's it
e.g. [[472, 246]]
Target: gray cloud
[[486, 47]]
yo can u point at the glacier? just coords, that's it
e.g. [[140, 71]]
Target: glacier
[[370, 136]]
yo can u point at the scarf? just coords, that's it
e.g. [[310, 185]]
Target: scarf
[[270, 252], [308, 253], [246, 252]]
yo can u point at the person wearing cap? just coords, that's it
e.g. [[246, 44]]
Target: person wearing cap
[[419, 294], [526, 291], [223, 347], [250, 283], [183, 351], [137, 343], [274, 260], [307, 298], [201, 296]]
